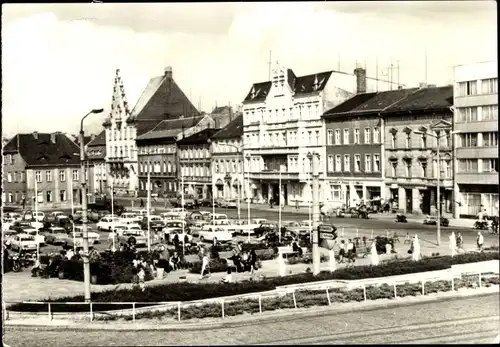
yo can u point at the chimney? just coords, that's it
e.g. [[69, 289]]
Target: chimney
[[168, 72], [53, 137], [422, 85], [360, 74], [35, 135]]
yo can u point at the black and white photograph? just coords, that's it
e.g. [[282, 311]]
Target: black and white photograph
[[224, 173]]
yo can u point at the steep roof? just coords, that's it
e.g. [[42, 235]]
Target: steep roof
[[222, 109], [170, 128], [368, 103], [99, 140], [41, 151], [161, 99], [258, 92], [198, 138], [425, 99], [233, 130]]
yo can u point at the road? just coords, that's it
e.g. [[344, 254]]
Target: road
[[462, 320]]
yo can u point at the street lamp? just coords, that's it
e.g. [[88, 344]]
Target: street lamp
[[86, 264], [314, 159], [438, 198], [248, 156]]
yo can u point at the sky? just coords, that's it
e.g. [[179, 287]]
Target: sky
[[59, 60]]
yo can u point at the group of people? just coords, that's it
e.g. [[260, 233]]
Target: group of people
[[243, 260], [347, 251]]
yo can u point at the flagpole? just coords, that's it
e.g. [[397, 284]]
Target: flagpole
[[149, 217], [73, 213], [36, 220], [213, 192], [112, 209]]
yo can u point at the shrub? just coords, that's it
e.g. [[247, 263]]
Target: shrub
[[191, 291], [216, 265]]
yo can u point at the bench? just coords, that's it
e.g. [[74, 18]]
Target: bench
[[287, 250]]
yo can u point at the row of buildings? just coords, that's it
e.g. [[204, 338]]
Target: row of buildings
[[376, 142]]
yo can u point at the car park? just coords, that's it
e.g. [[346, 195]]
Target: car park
[[24, 242]]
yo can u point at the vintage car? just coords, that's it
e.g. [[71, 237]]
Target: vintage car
[[135, 235], [215, 232], [294, 228], [244, 228], [56, 217], [55, 235], [24, 242], [231, 203], [196, 226], [108, 223], [265, 228], [432, 220], [172, 225]]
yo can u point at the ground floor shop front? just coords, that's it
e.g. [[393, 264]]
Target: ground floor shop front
[[473, 198], [160, 187], [418, 199]]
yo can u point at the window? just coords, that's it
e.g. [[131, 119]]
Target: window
[[346, 136], [337, 136], [62, 175], [39, 196], [489, 86], [38, 176], [376, 162], [48, 195], [367, 135], [490, 165], [467, 88], [15, 177], [357, 162], [490, 139], [408, 140], [394, 168], [423, 141], [75, 175], [21, 177], [309, 137], [11, 199], [336, 191], [468, 140], [317, 137], [467, 165], [9, 177], [48, 176], [356, 136], [408, 168], [330, 137], [330, 163], [467, 114], [423, 167], [393, 140], [489, 112], [338, 163], [376, 135], [446, 165], [86, 175], [217, 167], [368, 163], [347, 162], [12, 158]]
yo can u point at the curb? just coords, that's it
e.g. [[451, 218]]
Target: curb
[[249, 320]]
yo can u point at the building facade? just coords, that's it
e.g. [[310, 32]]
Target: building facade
[[476, 123], [283, 125], [227, 161], [96, 156], [53, 161], [121, 152], [354, 150], [157, 151], [14, 174], [412, 127], [194, 162]]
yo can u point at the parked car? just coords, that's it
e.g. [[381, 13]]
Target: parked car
[[55, 235], [207, 202], [92, 216], [23, 241], [8, 236], [244, 228], [108, 223], [56, 217], [295, 228], [211, 232], [38, 216], [195, 227], [39, 237], [265, 228], [93, 236], [232, 203], [133, 235]]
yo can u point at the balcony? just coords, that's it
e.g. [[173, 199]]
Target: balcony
[[204, 179], [263, 150], [477, 178], [274, 175], [476, 100], [477, 127], [477, 152]]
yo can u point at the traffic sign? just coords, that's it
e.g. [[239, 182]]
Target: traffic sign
[[327, 236]]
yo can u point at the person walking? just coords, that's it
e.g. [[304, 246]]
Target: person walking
[[480, 241], [253, 262], [142, 203], [341, 251], [205, 263], [350, 251]]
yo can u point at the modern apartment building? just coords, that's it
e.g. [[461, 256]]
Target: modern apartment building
[[476, 124], [282, 126]]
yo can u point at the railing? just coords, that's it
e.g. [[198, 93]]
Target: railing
[[326, 286]]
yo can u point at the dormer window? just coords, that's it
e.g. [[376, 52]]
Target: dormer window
[[252, 93], [315, 84]]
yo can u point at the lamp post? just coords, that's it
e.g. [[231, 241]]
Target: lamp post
[[438, 187], [279, 212], [36, 216], [86, 264], [314, 157], [248, 156]]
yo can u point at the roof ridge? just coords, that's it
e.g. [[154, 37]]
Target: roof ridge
[[401, 99]]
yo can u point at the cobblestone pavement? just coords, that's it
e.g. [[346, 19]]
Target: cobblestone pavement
[[460, 320]]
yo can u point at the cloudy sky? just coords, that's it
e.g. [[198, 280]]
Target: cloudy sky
[[58, 61]]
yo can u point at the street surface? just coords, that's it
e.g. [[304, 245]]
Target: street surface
[[460, 320]]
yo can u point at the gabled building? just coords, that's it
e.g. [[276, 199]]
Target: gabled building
[[282, 125], [194, 160], [53, 160], [157, 152], [227, 161], [96, 156], [476, 120], [410, 150], [222, 115]]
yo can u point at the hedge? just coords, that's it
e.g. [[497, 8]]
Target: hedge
[[307, 298], [185, 291]]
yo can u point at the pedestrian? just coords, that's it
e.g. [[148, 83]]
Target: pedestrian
[[253, 261], [297, 204], [460, 242], [480, 241], [341, 251], [174, 260], [176, 241], [70, 254], [142, 203], [205, 263], [350, 249], [142, 275], [271, 201]]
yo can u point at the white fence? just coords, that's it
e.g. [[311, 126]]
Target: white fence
[[451, 274]]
